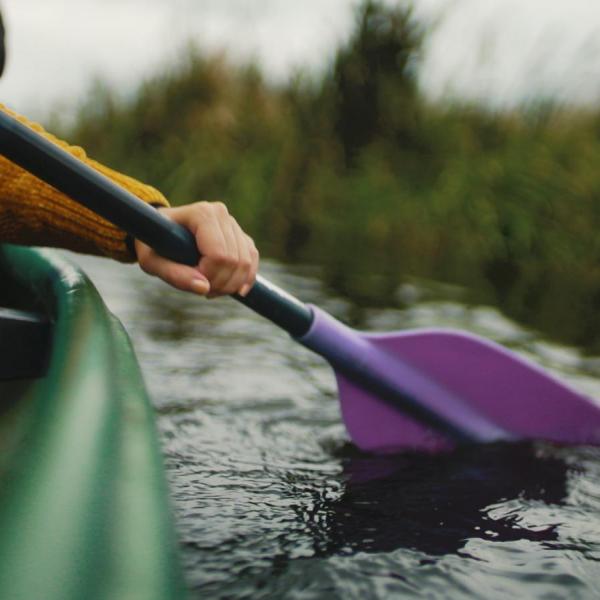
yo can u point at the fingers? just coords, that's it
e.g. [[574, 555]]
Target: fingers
[[218, 246], [225, 261], [229, 260], [234, 276], [182, 277], [253, 271]]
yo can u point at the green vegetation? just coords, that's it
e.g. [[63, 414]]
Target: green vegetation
[[357, 172]]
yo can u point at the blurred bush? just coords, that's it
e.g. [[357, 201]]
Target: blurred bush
[[355, 170]]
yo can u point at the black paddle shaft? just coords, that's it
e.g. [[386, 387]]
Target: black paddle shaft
[[61, 170]]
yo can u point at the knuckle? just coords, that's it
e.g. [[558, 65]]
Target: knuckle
[[220, 208], [145, 267], [219, 258], [169, 275], [252, 247], [232, 262], [202, 207]]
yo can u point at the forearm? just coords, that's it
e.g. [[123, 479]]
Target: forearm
[[34, 213]]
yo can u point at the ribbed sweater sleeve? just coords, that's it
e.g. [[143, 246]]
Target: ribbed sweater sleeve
[[35, 214]]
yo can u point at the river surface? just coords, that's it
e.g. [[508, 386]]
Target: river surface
[[273, 501]]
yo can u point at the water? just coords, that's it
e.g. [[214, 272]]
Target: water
[[271, 499]]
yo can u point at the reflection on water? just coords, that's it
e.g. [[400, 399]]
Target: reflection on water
[[436, 504], [271, 499]]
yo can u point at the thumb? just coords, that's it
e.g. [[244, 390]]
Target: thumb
[[199, 284]]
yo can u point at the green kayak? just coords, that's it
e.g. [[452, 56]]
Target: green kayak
[[84, 511]]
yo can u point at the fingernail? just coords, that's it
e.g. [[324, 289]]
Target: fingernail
[[245, 289], [200, 286]]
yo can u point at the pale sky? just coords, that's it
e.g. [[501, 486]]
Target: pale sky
[[501, 52]]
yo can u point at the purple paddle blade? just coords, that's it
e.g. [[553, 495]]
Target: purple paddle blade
[[476, 387], [376, 426]]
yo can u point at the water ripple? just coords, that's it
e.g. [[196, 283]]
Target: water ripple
[[273, 502]]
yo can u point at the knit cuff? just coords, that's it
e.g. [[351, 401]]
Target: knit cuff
[[34, 213]]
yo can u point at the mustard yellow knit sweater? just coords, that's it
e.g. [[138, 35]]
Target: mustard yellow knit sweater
[[35, 214]]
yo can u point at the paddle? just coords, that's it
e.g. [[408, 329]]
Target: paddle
[[426, 389]]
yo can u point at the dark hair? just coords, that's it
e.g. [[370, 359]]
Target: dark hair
[[2, 46]]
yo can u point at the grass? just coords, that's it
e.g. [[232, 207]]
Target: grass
[[357, 172]]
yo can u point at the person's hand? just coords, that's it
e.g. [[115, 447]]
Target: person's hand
[[229, 258]]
